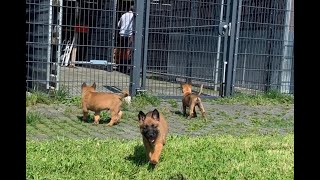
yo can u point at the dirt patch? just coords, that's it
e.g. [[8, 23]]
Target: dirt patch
[[65, 120]]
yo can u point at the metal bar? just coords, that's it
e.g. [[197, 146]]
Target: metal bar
[[286, 62], [218, 50], [49, 45], [114, 19], [225, 50], [146, 47], [231, 41], [236, 48], [244, 63], [59, 44], [138, 26]]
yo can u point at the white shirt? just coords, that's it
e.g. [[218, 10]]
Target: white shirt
[[125, 24]]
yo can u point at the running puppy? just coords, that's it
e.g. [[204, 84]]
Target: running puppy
[[191, 100], [154, 129], [99, 101]]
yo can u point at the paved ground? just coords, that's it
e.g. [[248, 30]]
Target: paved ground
[[60, 120], [112, 81]]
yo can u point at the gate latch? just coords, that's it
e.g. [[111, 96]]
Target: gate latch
[[224, 27]]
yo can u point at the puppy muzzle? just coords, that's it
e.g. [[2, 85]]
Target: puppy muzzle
[[150, 135]]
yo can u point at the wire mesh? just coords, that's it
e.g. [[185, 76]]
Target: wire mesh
[[74, 41], [265, 46]]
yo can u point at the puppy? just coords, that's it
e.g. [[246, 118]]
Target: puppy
[[154, 129], [191, 100], [99, 101]]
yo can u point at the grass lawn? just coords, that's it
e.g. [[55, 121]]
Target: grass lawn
[[218, 157], [244, 137]]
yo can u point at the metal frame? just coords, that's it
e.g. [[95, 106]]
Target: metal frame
[[192, 47], [138, 36], [145, 49]]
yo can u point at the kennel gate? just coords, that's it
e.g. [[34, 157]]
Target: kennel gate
[[198, 41]]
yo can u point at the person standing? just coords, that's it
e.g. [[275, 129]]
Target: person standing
[[126, 31]]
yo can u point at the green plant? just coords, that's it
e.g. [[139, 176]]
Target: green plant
[[61, 94], [173, 103], [104, 115], [33, 117], [37, 97], [31, 100], [143, 99], [125, 106], [74, 100], [269, 98]]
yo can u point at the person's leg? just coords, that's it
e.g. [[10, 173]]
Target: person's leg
[[122, 54]]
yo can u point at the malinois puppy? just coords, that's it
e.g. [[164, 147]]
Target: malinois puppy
[[99, 101], [191, 100], [154, 129]]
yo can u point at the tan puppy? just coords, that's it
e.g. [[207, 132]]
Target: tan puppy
[[191, 100], [154, 129], [99, 101]]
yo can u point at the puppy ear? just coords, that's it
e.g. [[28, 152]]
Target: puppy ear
[[94, 85], [84, 84], [155, 114], [141, 116]]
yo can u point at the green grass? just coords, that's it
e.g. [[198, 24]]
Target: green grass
[[53, 97], [196, 124], [218, 157], [143, 99], [173, 103], [261, 145], [33, 117], [272, 121], [270, 98], [37, 97]]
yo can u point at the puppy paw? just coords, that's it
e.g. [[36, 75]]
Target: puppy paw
[[109, 124]]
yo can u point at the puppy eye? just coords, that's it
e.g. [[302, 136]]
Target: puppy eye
[[146, 126]]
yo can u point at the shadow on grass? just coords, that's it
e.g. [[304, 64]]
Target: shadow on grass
[[139, 157], [179, 113], [90, 120], [178, 176]]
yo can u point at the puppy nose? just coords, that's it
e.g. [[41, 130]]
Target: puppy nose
[[151, 134]]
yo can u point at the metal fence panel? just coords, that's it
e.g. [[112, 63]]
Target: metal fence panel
[[38, 38], [89, 28], [265, 46], [184, 46], [175, 41]]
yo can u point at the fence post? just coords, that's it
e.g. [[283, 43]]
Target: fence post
[[49, 45], [145, 45], [287, 59], [237, 26], [230, 50], [60, 18], [137, 47]]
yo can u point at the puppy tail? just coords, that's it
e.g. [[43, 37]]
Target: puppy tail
[[200, 90], [124, 94]]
